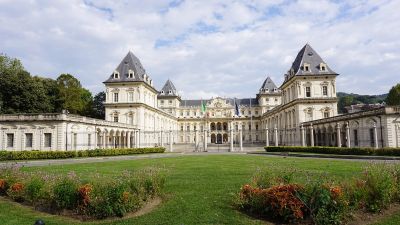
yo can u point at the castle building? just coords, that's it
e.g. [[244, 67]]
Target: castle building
[[302, 111]]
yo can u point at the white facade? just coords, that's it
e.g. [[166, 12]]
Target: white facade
[[302, 111]]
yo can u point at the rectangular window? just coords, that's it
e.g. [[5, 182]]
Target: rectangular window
[[170, 102], [89, 140], [188, 128], [308, 92], [47, 140], [249, 127], [115, 97], [187, 113], [28, 140], [162, 102], [324, 90], [181, 128], [10, 140], [256, 126], [194, 127], [371, 137], [116, 119], [326, 114], [355, 132]]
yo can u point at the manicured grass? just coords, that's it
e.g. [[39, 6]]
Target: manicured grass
[[199, 189]]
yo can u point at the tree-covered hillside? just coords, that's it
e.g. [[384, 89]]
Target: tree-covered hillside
[[346, 99]]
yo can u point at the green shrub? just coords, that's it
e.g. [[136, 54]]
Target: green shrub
[[336, 150], [65, 193], [379, 187], [98, 196], [326, 203], [29, 155], [33, 190]]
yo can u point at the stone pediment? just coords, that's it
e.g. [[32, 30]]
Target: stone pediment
[[218, 103]]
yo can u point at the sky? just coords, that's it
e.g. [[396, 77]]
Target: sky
[[206, 48]]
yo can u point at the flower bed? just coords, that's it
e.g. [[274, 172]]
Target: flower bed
[[336, 150], [27, 155], [97, 197], [319, 200]]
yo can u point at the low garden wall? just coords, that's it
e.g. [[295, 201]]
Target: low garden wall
[[28, 155], [95, 196], [336, 150]]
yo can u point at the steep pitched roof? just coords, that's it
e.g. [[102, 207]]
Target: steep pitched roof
[[129, 62], [168, 89], [308, 55], [268, 85]]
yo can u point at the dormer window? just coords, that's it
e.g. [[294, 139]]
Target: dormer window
[[274, 89], [162, 92], [306, 67], [169, 92], [322, 67], [131, 74], [266, 89], [116, 75]]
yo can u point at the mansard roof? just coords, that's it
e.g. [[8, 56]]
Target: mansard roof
[[268, 86], [129, 62], [231, 101], [168, 89], [308, 55]]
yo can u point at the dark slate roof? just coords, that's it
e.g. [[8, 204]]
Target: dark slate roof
[[308, 55], [268, 85], [130, 62], [231, 101], [168, 89]]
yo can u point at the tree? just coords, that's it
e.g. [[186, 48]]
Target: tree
[[70, 92], [393, 97], [98, 106]]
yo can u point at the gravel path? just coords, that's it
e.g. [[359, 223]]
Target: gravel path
[[48, 162]]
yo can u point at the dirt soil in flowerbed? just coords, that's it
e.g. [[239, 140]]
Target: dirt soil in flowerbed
[[357, 218], [147, 207]]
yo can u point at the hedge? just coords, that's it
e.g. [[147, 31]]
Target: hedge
[[336, 150], [35, 154]]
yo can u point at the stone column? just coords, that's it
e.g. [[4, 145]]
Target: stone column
[[196, 143], [205, 140], [241, 139], [161, 139], [375, 136], [303, 136], [170, 141], [128, 135], [138, 138], [231, 137], [339, 141], [104, 140], [348, 135], [312, 135], [266, 137], [276, 136]]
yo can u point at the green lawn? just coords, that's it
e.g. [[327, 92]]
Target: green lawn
[[199, 189]]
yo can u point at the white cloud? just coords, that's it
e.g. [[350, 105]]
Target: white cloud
[[206, 48]]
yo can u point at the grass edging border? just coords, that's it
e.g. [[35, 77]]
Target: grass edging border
[[325, 156], [38, 155]]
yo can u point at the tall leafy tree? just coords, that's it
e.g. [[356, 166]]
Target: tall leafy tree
[[70, 93], [98, 106], [393, 97]]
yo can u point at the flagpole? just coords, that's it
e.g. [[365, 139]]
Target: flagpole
[[251, 123]]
